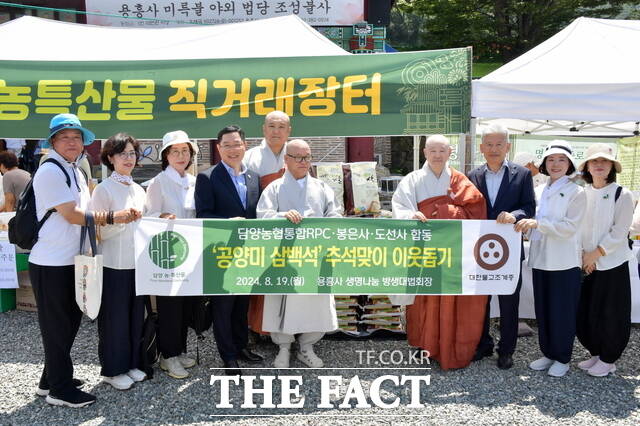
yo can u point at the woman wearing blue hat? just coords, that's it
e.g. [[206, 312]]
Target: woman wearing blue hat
[[554, 255], [51, 263]]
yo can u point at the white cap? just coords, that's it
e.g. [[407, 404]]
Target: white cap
[[176, 137], [601, 150], [558, 146]]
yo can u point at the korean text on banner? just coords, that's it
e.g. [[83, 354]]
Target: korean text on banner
[[339, 256], [352, 95]]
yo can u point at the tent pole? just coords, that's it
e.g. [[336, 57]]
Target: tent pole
[[416, 152], [462, 152], [472, 142]]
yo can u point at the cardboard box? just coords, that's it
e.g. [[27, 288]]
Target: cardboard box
[[7, 299], [25, 299]]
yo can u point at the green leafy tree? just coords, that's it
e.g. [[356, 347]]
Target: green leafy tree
[[500, 30]]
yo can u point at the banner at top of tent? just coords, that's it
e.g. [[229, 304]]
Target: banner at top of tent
[[175, 13], [353, 95]]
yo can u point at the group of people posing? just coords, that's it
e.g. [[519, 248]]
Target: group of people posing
[[578, 253], [574, 232]]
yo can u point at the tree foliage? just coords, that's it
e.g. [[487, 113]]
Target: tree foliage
[[500, 29]]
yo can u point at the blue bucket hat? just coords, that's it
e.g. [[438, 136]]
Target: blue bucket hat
[[68, 121]]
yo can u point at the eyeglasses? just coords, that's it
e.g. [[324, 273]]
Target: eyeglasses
[[234, 146], [182, 153], [124, 155], [297, 159]]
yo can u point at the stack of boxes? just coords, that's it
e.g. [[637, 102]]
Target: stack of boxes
[[380, 314], [361, 316]]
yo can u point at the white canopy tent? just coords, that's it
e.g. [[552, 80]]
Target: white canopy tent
[[36, 39], [583, 80]]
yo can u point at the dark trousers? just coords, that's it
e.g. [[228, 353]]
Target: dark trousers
[[509, 304], [604, 313], [556, 296], [174, 313], [230, 326], [119, 323], [59, 318]]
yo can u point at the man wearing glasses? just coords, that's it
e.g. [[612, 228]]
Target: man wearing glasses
[[229, 190], [295, 196]]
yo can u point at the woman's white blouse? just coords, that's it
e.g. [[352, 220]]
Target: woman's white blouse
[[606, 224], [116, 243], [166, 194], [558, 246]]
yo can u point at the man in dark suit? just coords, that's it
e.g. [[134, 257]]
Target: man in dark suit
[[229, 191], [508, 191]]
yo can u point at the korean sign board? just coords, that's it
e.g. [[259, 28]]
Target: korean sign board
[[145, 13], [354, 95]]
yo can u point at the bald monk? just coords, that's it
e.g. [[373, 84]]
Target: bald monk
[[267, 160], [449, 327], [301, 317]]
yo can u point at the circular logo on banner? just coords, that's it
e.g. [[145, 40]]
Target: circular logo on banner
[[168, 249], [491, 252]]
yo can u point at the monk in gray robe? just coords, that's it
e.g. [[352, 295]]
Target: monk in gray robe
[[295, 196]]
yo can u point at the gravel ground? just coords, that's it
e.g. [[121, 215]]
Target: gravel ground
[[479, 394]]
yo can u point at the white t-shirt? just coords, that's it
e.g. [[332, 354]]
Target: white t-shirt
[[58, 240]]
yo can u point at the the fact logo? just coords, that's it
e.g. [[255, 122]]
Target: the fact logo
[[168, 249], [333, 392], [491, 252]]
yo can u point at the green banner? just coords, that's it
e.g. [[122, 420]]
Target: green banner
[[340, 256], [355, 95]]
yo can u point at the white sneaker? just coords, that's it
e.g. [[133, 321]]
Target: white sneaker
[[137, 375], [309, 358], [541, 364], [186, 361], [558, 369], [588, 363], [602, 369], [282, 359], [173, 367], [120, 382]]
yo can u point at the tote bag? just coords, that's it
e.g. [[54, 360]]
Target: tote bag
[[88, 272]]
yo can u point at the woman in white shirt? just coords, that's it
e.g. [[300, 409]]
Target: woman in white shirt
[[555, 257], [170, 195], [604, 312], [121, 312]]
